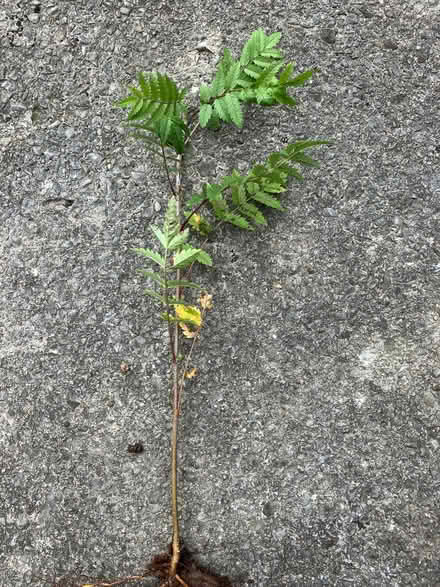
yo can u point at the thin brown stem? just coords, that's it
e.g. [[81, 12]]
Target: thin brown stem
[[167, 171], [175, 554], [187, 219]]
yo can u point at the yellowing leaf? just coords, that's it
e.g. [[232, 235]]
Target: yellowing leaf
[[187, 332], [189, 313], [206, 301], [190, 374], [200, 224]]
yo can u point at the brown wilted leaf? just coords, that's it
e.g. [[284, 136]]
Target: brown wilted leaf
[[206, 301], [187, 332], [191, 373]]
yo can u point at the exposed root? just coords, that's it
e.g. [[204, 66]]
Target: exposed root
[[189, 573]]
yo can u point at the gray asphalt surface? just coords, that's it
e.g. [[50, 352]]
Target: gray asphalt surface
[[311, 450]]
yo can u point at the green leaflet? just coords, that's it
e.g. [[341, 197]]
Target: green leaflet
[[205, 114], [238, 195], [171, 222], [286, 73], [252, 187], [182, 283], [254, 213], [178, 240], [195, 200], [305, 160], [205, 94], [185, 257], [238, 220], [267, 76], [281, 96], [170, 283], [299, 80], [198, 255], [160, 236], [154, 276], [267, 200], [232, 76], [213, 192], [151, 255], [293, 172], [233, 109], [221, 110], [172, 132], [204, 258], [218, 85], [273, 188]]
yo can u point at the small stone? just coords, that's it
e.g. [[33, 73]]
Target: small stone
[[34, 18], [366, 12], [125, 10], [429, 399], [95, 157], [124, 367], [390, 44], [329, 36], [268, 510], [85, 182]]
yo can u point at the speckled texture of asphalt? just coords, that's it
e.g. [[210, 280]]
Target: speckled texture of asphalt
[[311, 435]]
